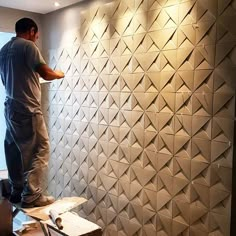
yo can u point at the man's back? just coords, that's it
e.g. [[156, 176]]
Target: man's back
[[18, 60]]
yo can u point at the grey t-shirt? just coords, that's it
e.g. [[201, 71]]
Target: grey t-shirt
[[18, 61]]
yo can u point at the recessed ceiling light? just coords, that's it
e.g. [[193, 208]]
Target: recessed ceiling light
[[56, 4]]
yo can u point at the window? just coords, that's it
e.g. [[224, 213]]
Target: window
[[4, 38]]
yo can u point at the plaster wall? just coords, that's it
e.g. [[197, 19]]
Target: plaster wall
[[143, 123], [8, 18]]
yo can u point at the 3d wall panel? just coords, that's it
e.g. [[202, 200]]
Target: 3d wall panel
[[143, 123]]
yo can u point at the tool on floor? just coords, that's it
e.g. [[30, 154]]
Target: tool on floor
[[56, 219]]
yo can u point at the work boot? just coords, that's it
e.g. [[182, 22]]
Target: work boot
[[39, 202], [15, 198]]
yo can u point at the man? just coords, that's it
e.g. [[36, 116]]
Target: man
[[26, 141]]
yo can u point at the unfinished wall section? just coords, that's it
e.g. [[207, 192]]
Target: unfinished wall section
[[143, 123]]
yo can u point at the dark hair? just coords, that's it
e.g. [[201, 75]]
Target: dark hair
[[25, 24]]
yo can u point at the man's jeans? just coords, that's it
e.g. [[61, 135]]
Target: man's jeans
[[26, 150]]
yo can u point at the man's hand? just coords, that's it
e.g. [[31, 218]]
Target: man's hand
[[60, 74], [48, 74]]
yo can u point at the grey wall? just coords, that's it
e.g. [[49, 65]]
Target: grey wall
[[61, 27], [142, 125], [8, 18]]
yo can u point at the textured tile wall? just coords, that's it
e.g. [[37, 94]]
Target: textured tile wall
[[142, 125]]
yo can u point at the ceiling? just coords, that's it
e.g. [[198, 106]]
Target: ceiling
[[41, 6]]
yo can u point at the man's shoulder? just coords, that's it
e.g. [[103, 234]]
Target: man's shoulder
[[27, 46], [5, 46], [26, 42]]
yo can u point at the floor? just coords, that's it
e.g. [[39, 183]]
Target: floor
[[31, 231]]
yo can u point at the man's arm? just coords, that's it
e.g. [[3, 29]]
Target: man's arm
[[47, 73]]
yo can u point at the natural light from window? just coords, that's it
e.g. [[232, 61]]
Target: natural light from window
[[4, 38]]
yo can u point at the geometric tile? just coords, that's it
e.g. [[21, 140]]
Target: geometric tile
[[223, 130], [219, 224], [142, 125], [201, 150], [220, 201], [184, 81], [201, 127], [221, 154], [204, 57], [223, 105], [188, 12], [183, 125], [202, 104], [164, 225], [183, 104], [221, 177], [203, 81]]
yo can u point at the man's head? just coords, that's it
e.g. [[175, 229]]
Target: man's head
[[26, 28]]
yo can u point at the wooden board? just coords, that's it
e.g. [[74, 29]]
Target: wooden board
[[61, 206], [73, 225]]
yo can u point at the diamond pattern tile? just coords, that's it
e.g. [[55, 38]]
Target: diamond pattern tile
[[143, 123]]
